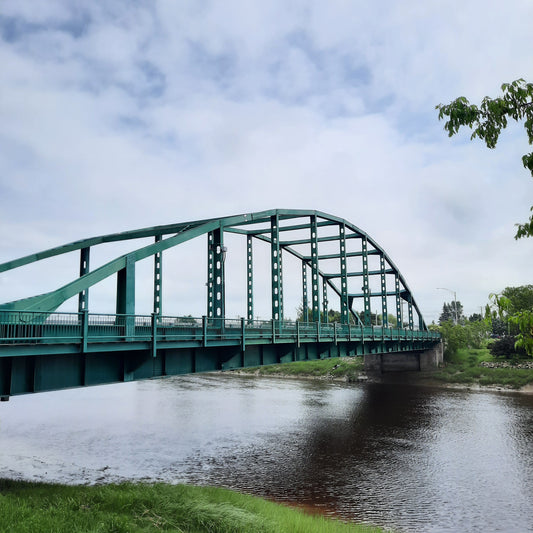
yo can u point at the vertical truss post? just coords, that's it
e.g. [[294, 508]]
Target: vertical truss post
[[83, 297], [126, 296], [210, 276], [314, 270], [216, 255], [250, 279], [384, 311], [410, 308], [367, 317], [158, 280], [305, 301], [281, 311], [345, 317], [275, 267], [126, 288], [399, 317], [325, 300]]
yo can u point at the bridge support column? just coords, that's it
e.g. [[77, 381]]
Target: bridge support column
[[431, 359], [408, 361]]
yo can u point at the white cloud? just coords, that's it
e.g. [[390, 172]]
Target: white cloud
[[116, 117]]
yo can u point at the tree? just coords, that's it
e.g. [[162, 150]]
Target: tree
[[488, 120], [449, 313], [520, 298], [515, 306]]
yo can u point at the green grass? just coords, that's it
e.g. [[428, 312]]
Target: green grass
[[464, 368], [133, 508], [335, 367]]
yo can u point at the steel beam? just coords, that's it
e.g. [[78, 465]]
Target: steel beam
[[367, 316], [216, 280], [158, 280], [314, 270], [384, 312], [345, 317], [275, 269], [249, 278], [83, 297], [305, 301]]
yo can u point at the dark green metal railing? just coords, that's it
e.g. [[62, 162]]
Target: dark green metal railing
[[85, 329]]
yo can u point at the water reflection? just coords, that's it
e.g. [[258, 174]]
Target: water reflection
[[415, 459]]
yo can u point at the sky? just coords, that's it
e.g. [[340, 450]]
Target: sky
[[119, 115]]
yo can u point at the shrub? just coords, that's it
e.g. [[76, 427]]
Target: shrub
[[505, 347]]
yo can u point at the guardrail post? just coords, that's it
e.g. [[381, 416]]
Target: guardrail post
[[298, 334], [204, 330], [154, 334], [243, 334], [318, 331], [335, 331], [84, 330], [273, 331]]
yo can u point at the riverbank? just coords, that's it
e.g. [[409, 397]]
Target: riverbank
[[37, 507], [469, 369]]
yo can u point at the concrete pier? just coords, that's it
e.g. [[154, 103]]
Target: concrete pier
[[405, 361]]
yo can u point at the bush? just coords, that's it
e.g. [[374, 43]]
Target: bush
[[458, 336], [505, 347]]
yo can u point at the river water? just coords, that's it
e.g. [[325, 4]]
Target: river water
[[409, 458]]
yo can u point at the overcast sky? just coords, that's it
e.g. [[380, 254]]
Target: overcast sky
[[116, 115]]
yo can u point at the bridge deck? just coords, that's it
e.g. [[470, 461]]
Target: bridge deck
[[27, 333]]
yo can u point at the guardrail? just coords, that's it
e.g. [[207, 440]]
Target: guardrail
[[29, 327]]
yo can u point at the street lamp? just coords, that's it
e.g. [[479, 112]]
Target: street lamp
[[454, 302]]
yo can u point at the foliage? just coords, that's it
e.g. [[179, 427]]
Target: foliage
[[506, 347], [515, 305], [524, 321], [460, 336], [30, 507], [518, 298], [465, 369], [452, 311], [333, 316], [334, 367], [488, 120]]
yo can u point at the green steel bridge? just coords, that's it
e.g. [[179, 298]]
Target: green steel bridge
[[42, 349]]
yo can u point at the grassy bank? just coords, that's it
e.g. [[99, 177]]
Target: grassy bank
[[465, 368], [35, 507], [347, 368]]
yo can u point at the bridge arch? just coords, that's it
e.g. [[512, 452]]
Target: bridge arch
[[335, 257]]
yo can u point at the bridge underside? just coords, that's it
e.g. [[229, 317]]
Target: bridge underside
[[59, 369]]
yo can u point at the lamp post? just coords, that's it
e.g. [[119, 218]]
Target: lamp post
[[456, 318]]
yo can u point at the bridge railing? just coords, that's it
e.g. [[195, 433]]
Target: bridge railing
[[28, 327]]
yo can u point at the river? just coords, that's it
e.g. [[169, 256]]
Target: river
[[414, 459]]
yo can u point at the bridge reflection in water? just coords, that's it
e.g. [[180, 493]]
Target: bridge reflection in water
[[41, 349]]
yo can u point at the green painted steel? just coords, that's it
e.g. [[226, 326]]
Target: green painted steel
[[315, 272], [275, 268], [250, 277], [313, 221], [306, 235], [305, 300], [158, 280], [83, 297], [50, 351]]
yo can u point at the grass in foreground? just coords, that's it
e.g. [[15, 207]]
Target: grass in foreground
[[335, 367], [130, 508], [464, 368]]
